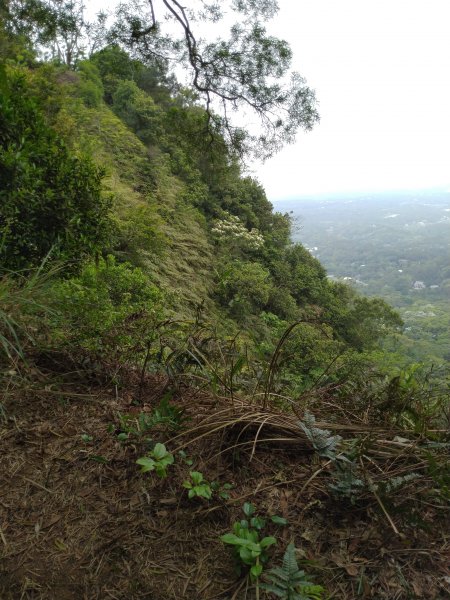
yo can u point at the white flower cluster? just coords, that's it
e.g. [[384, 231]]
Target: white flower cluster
[[232, 228]]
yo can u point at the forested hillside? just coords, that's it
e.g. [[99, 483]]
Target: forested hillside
[[394, 245], [154, 310]]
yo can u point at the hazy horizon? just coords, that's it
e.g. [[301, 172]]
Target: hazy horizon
[[361, 193]]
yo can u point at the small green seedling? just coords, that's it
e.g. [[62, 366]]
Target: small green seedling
[[256, 522], [185, 458], [158, 460], [86, 438], [222, 490], [250, 549], [198, 487]]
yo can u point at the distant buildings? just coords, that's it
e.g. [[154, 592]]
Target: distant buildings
[[419, 285]]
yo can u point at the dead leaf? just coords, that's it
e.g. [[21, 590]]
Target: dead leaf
[[417, 589], [338, 559], [51, 521], [354, 543], [309, 535], [352, 570]]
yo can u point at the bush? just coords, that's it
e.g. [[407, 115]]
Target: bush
[[244, 286], [109, 309], [139, 111], [50, 199], [90, 86]]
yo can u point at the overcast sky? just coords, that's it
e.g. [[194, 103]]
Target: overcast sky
[[381, 71]]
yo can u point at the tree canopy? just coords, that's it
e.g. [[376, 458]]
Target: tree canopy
[[236, 76]]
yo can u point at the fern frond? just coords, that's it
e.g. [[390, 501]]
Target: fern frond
[[289, 582], [324, 443]]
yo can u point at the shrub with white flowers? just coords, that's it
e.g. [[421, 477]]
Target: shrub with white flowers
[[231, 229]]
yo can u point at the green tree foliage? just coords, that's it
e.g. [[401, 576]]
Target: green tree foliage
[[115, 66], [54, 26], [90, 87], [244, 287], [307, 277], [110, 308], [50, 199], [139, 111], [361, 322]]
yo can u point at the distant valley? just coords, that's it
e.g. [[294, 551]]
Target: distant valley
[[394, 245]]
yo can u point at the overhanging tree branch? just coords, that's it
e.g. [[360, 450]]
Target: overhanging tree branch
[[249, 71]]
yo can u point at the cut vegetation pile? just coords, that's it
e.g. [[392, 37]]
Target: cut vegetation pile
[[78, 519]]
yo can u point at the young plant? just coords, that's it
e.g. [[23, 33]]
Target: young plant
[[222, 490], [289, 582], [136, 428], [198, 487], [249, 548], [158, 460]]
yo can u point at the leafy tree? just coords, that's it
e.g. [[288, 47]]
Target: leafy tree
[[90, 86], [307, 277], [115, 65], [50, 198], [56, 25], [249, 70], [244, 286], [138, 110], [361, 322]]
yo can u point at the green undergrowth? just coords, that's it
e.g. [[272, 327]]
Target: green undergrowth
[[155, 228]]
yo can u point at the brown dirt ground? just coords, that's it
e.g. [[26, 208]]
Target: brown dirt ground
[[79, 521]]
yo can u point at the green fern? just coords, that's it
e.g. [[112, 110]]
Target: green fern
[[347, 483], [289, 582], [324, 443], [395, 483]]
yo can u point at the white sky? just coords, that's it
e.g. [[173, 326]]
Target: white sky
[[381, 71]]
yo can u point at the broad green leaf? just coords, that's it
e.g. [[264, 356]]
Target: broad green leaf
[[248, 509], [253, 547], [159, 451], [258, 522], [167, 460], [246, 556], [196, 477], [256, 570], [147, 464], [278, 520], [230, 538], [267, 541]]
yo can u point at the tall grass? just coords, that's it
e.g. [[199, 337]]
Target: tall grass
[[23, 302]]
